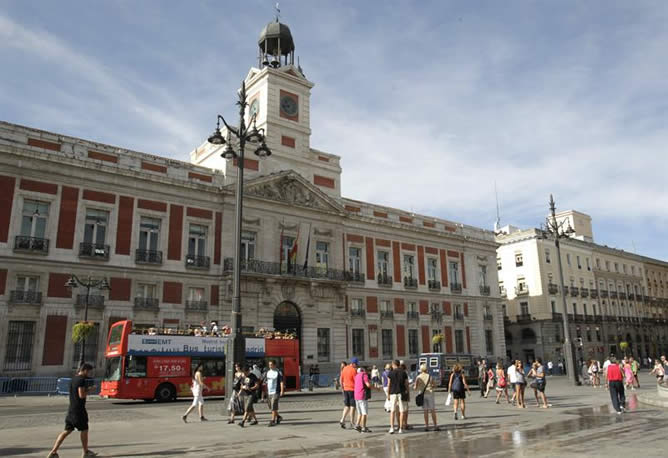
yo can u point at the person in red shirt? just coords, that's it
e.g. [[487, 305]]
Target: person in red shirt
[[616, 386], [348, 374]]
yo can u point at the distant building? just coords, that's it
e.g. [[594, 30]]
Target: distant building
[[613, 296], [349, 278]]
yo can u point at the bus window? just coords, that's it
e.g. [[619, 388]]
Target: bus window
[[135, 366], [423, 361], [211, 367], [115, 335], [112, 369], [433, 362]]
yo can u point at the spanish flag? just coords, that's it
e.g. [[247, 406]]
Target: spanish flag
[[292, 256]]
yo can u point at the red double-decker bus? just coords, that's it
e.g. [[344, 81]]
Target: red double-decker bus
[[141, 366]]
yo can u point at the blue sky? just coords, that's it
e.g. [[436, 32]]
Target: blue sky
[[569, 98]]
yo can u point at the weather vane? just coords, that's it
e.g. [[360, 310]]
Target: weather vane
[[278, 12]]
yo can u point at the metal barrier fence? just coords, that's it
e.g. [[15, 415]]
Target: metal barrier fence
[[319, 381], [38, 385]]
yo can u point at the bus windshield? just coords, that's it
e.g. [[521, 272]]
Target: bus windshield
[[112, 369], [115, 335]]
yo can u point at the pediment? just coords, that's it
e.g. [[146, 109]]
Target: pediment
[[292, 189]]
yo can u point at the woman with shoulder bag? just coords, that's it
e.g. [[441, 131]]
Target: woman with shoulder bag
[[458, 388], [424, 385], [502, 383]]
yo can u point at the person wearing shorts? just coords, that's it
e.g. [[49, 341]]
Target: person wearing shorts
[[197, 389], [424, 385], [249, 387], [77, 416], [348, 374], [275, 389], [397, 389], [362, 394]]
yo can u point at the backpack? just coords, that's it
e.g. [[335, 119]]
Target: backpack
[[457, 384]]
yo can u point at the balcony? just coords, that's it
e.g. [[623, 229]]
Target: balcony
[[622, 295], [593, 293], [361, 313], [94, 300], [484, 290], [147, 303], [434, 285], [524, 318], [552, 288], [521, 291], [354, 277], [604, 293], [387, 314], [197, 306], [632, 297], [410, 283], [503, 292], [487, 316], [412, 315], [197, 262], [455, 287], [584, 292], [384, 280], [437, 316], [94, 251], [254, 266], [148, 257], [25, 297], [31, 244], [588, 319], [557, 317], [597, 318], [459, 316], [645, 299], [574, 291], [613, 294]]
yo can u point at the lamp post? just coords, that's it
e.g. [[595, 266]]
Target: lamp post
[[88, 283], [236, 348], [557, 231]]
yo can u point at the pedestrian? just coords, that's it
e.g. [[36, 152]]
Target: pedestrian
[[348, 386], [562, 368], [458, 387], [362, 395], [550, 367], [275, 390], [512, 379], [406, 396], [337, 380], [615, 385], [375, 376], [490, 381], [197, 389], [235, 406], [628, 374], [501, 383], [384, 378], [424, 385], [250, 385], [316, 373], [520, 384], [397, 385], [482, 377], [635, 368], [606, 363], [664, 363], [541, 381], [595, 369], [658, 371], [77, 416], [534, 385]]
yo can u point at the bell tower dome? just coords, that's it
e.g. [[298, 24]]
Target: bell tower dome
[[276, 47]]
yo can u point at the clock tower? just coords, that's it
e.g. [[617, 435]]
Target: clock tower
[[279, 96]]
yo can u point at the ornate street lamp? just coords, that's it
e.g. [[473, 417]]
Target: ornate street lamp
[[89, 283], [236, 349], [554, 229]]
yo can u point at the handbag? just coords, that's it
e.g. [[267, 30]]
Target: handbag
[[419, 399], [448, 401]]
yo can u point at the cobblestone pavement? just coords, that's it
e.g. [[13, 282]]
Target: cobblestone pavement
[[580, 422]]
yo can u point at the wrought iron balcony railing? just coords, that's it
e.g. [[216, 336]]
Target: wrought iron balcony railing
[[455, 287], [558, 317], [94, 300], [437, 316], [458, 316], [254, 266], [387, 314], [148, 257], [521, 291], [412, 316], [603, 293], [354, 277], [487, 316], [197, 262], [358, 312], [94, 250], [25, 297], [485, 290], [524, 318], [147, 303], [584, 292], [34, 244], [197, 306], [552, 288], [384, 279], [434, 285], [613, 294], [410, 282], [593, 293], [574, 291]]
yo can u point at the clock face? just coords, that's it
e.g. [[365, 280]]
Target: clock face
[[289, 105], [254, 108]]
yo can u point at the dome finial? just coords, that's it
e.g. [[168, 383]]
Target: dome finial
[[278, 12]]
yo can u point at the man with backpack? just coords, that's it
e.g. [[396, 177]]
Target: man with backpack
[[397, 387], [275, 390]]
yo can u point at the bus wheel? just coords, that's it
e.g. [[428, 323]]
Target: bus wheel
[[165, 392]]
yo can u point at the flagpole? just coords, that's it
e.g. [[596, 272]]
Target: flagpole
[[308, 247]]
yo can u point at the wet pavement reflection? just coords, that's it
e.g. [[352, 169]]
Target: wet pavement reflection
[[574, 432]]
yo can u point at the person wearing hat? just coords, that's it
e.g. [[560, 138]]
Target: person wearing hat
[[348, 386]]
